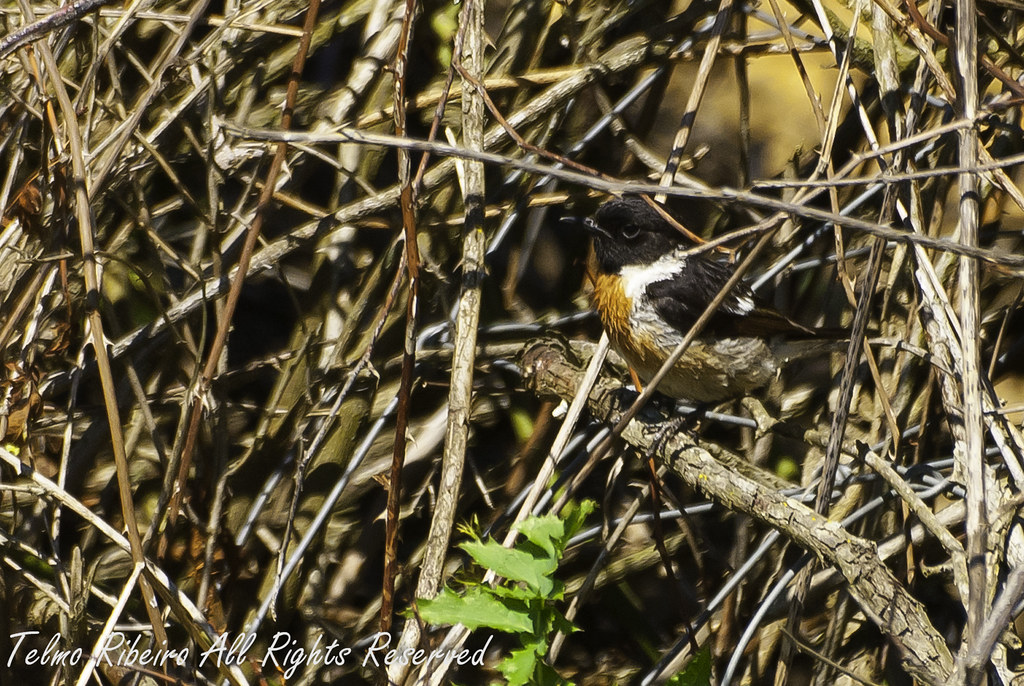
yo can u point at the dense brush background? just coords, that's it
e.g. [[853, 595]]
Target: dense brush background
[[172, 102]]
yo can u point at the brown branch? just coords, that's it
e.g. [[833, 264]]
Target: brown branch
[[59, 18], [412, 262], [83, 213], [991, 67], [722, 194], [203, 383], [923, 652], [969, 456]]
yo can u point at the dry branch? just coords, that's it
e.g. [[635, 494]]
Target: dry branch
[[880, 595]]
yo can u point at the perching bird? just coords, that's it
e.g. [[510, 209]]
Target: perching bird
[[649, 292]]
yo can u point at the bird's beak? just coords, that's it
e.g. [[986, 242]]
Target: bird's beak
[[591, 226], [594, 228]]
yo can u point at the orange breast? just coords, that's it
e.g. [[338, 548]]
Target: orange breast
[[615, 310], [710, 371]]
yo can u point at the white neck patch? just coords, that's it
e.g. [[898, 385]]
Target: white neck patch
[[636, 277]]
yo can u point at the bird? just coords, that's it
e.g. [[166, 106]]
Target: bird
[[648, 291]]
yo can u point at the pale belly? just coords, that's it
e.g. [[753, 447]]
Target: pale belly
[[709, 371]]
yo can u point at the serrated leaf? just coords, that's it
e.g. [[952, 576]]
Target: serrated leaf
[[518, 667], [516, 592], [477, 608], [513, 564], [544, 532]]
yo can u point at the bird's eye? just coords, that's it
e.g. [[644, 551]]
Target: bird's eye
[[630, 231]]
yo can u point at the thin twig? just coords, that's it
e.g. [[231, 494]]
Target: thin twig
[[202, 384], [460, 392], [971, 453], [412, 266], [696, 94], [39, 28], [923, 651], [90, 269]]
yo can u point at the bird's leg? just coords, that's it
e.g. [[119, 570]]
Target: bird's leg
[[676, 422], [636, 380]]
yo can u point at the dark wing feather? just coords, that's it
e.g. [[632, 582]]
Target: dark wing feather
[[681, 299]]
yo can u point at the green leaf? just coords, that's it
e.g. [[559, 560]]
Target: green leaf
[[470, 529], [575, 518], [537, 644], [545, 675], [477, 608], [513, 564], [518, 667], [544, 532], [516, 592], [525, 666], [697, 673], [560, 623]]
